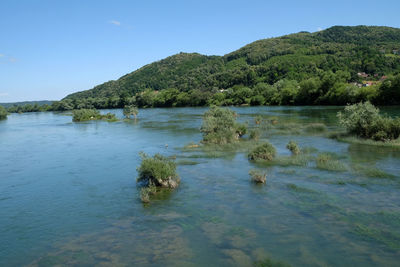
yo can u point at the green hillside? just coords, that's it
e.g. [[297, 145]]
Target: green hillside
[[302, 68]]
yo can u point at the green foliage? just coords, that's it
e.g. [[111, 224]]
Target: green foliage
[[3, 113], [293, 147], [265, 151], [257, 176], [130, 110], [220, 126], [302, 68], [91, 114], [85, 115], [157, 171], [364, 120]]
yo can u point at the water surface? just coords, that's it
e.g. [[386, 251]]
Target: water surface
[[68, 195]]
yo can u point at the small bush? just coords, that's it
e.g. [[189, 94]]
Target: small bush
[[364, 120], [258, 177], [157, 171], [220, 126], [130, 110], [265, 151], [3, 113], [293, 147]]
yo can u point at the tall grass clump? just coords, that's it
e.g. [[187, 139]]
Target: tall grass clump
[[257, 176], [293, 147], [220, 126], [364, 120], [264, 151], [156, 172], [3, 113]]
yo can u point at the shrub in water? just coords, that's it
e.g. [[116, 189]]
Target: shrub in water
[[265, 151], [91, 114], [130, 110], [157, 171], [364, 120], [257, 176], [220, 126], [85, 114], [293, 147]]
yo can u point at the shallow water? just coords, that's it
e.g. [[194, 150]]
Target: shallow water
[[68, 195]]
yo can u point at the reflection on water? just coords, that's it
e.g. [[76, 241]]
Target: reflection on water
[[68, 194]]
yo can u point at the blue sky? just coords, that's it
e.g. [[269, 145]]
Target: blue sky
[[49, 49]]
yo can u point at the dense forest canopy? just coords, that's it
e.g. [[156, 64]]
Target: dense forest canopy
[[339, 65]]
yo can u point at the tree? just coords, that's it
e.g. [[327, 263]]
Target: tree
[[130, 110]]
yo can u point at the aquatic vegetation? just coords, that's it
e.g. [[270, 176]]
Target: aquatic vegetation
[[146, 192], [270, 263], [293, 147], [130, 110], [91, 114], [220, 126], [364, 120], [187, 162], [390, 239], [309, 150], [295, 160], [257, 176], [156, 171], [394, 144], [299, 189], [315, 128], [3, 113], [265, 151], [255, 134], [326, 161], [372, 171]]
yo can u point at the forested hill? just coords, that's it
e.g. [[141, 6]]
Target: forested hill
[[300, 68]]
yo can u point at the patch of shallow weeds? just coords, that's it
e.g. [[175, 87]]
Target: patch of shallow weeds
[[327, 161], [187, 162], [300, 189], [315, 128], [351, 139], [371, 172], [388, 238]]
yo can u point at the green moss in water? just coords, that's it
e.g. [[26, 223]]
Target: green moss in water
[[390, 239], [299, 189]]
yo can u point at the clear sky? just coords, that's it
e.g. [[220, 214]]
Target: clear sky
[[50, 48]]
